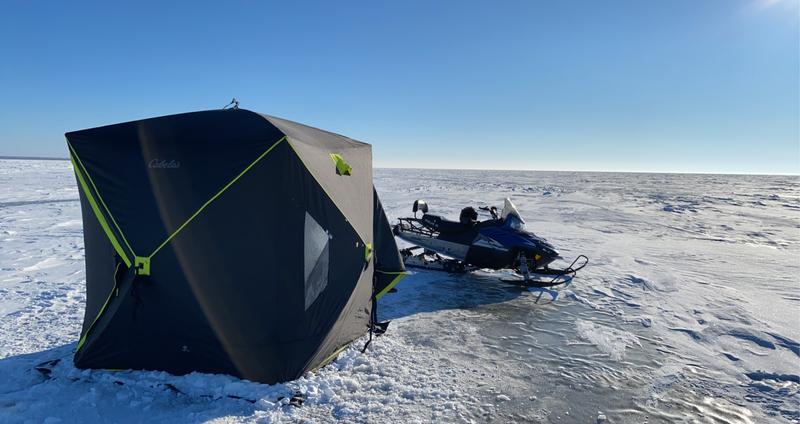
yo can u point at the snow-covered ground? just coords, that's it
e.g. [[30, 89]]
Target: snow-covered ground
[[688, 312]]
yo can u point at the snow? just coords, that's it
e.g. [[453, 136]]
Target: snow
[[687, 312]]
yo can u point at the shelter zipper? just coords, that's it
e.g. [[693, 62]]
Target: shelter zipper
[[114, 293]]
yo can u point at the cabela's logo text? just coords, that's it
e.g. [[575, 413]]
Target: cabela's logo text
[[164, 164]]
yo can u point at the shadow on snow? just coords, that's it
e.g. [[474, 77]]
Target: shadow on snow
[[430, 291]]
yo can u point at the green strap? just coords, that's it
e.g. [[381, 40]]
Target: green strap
[[97, 213], [399, 276], [214, 197]]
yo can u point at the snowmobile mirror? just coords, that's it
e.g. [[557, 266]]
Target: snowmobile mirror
[[419, 205]]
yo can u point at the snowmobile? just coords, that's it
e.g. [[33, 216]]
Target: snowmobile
[[469, 244]]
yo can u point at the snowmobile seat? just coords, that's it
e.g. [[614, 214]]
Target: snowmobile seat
[[442, 225]]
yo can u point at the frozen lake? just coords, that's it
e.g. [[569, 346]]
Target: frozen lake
[[689, 311]]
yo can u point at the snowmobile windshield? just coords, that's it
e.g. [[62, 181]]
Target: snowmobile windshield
[[514, 222]]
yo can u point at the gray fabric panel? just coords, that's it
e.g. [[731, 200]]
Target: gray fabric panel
[[312, 135], [314, 147], [387, 257]]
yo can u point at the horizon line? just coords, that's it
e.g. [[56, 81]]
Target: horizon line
[[593, 171], [412, 168]]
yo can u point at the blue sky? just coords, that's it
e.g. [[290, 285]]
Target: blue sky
[[669, 86]]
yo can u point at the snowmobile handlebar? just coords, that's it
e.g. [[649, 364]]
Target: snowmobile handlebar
[[492, 210]]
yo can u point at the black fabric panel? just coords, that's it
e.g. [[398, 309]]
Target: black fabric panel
[[154, 173], [98, 352], [388, 261], [137, 332], [242, 261]]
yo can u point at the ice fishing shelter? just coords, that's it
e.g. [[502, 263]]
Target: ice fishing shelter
[[227, 242]]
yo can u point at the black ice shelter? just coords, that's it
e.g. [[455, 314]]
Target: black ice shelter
[[227, 242]]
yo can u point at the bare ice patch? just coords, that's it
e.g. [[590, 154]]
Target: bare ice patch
[[608, 340]]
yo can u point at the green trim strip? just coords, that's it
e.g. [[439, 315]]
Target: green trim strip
[[399, 276], [102, 202], [97, 213], [102, 309], [332, 356], [214, 197]]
